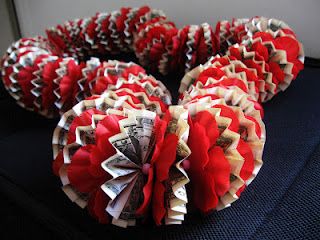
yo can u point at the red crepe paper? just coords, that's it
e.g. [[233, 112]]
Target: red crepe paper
[[97, 204], [163, 163], [68, 85], [85, 172], [248, 165], [209, 170], [149, 189], [49, 74], [227, 112]]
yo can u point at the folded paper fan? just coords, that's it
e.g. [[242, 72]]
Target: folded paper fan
[[124, 162], [268, 25], [100, 34], [51, 85], [267, 45], [223, 71], [227, 134], [262, 66], [160, 45], [151, 40], [226, 141], [114, 75], [21, 73], [120, 160], [37, 42], [11, 61], [275, 66]]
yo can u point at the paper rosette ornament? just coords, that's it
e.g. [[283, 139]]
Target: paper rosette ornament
[[18, 66], [262, 67], [100, 34], [227, 134], [51, 85], [241, 29], [222, 71], [160, 45], [222, 82], [226, 140], [121, 161], [268, 47]]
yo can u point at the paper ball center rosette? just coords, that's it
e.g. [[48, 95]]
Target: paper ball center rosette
[[226, 146], [122, 161], [227, 134], [129, 165]]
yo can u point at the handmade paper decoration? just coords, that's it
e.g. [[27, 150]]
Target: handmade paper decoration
[[121, 160], [226, 140], [51, 75], [51, 85], [121, 148]]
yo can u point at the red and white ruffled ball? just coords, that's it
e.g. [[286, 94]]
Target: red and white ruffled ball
[[123, 161], [129, 165], [51, 85]]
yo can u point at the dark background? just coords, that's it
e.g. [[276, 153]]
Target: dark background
[[281, 203]]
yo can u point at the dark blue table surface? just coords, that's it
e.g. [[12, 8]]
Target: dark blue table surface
[[281, 203]]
